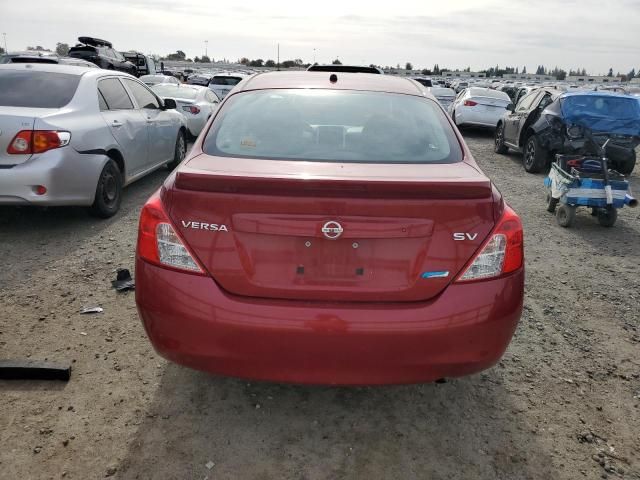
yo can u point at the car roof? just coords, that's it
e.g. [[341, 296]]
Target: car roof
[[58, 68], [320, 80]]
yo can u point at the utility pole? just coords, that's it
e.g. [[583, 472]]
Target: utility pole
[[278, 64], [314, 56], [206, 47], [5, 42]]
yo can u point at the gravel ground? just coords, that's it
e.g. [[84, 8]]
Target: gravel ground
[[562, 404]]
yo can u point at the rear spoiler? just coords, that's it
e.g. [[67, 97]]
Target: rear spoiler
[[459, 188]]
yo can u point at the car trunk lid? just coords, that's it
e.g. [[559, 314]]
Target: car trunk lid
[[331, 233]]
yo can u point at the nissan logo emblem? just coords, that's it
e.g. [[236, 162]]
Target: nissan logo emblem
[[332, 230]]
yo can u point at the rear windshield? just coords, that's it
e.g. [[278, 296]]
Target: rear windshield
[[82, 52], [175, 92], [487, 92], [20, 88], [225, 80], [329, 125]]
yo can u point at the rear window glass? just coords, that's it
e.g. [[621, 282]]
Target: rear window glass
[[26, 88], [225, 80], [327, 125], [487, 92], [175, 91]]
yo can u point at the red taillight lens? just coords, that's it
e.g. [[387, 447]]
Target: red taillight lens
[[470, 103], [37, 141], [502, 252], [192, 109], [159, 243], [21, 143]]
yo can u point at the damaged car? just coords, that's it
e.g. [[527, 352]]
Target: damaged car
[[541, 126]]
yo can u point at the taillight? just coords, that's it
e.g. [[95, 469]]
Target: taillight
[[470, 103], [502, 252], [192, 109], [37, 141], [159, 243]]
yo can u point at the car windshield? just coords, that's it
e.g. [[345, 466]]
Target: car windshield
[[225, 80], [21, 88], [175, 91], [327, 125]]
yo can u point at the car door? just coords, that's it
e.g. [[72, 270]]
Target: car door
[[126, 123], [162, 124], [515, 120]]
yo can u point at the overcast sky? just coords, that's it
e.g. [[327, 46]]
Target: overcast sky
[[594, 34]]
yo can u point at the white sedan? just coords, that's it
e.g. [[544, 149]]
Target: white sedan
[[480, 107], [194, 102]]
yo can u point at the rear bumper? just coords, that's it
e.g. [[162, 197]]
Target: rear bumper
[[190, 321], [70, 179], [484, 118]]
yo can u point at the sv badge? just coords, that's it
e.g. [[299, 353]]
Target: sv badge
[[459, 236]]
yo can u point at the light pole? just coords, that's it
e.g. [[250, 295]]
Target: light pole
[[314, 56], [206, 48], [5, 42]]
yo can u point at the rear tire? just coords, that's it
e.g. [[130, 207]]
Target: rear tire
[[499, 146], [626, 167], [535, 155], [607, 216], [108, 191], [566, 215], [552, 203], [180, 150]]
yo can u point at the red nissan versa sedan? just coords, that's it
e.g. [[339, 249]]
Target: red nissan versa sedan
[[330, 229]]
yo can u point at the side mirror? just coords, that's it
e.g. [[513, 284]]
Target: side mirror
[[170, 104], [511, 107]]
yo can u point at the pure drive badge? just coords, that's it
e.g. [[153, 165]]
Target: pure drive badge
[[211, 227]]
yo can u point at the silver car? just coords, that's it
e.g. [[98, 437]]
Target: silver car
[[196, 103], [77, 136]]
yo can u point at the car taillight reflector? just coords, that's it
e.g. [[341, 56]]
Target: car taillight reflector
[[502, 253], [470, 103], [37, 141], [159, 243]]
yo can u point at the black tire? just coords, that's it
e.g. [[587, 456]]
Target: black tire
[[626, 167], [552, 203], [535, 155], [179, 151], [607, 216], [108, 191], [498, 145], [566, 215]]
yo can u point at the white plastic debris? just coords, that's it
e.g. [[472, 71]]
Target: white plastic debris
[[210, 465], [92, 310]]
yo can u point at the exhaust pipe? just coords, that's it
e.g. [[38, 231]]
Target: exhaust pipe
[[630, 201]]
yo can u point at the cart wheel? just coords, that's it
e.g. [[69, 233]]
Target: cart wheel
[[552, 203], [566, 215], [607, 216]]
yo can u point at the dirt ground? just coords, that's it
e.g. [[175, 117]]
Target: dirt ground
[[564, 403]]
